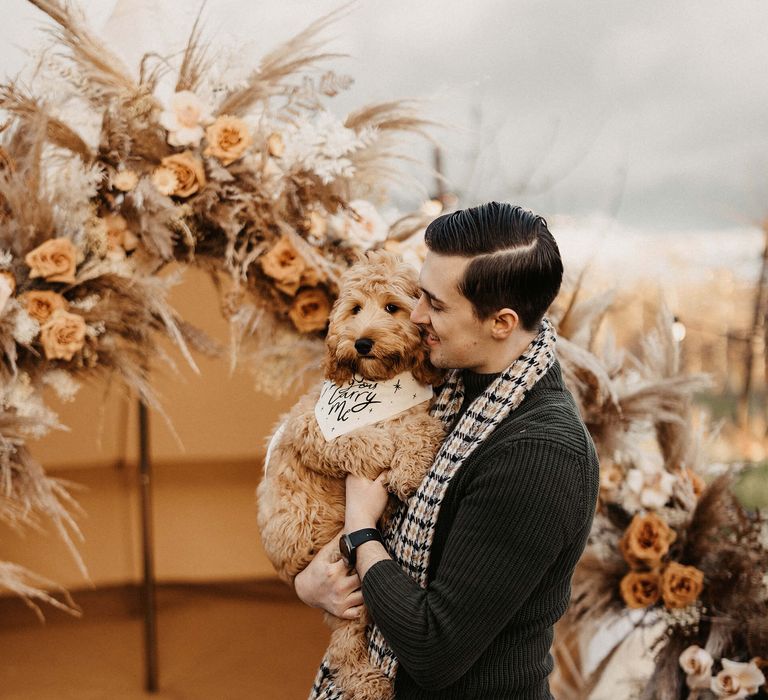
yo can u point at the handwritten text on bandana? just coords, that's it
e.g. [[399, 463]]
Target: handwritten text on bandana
[[360, 402]]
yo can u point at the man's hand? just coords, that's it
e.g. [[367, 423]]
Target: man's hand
[[327, 584], [366, 501]]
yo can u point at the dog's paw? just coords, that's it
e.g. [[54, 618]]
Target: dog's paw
[[369, 685]]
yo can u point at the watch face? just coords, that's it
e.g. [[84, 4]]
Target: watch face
[[344, 547]]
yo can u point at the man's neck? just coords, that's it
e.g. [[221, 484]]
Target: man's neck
[[502, 355]]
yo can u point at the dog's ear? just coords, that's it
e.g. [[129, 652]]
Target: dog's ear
[[425, 372], [332, 370]]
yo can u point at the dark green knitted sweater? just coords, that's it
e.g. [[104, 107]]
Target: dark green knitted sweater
[[513, 524]]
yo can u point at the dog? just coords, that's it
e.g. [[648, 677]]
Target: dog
[[373, 352]]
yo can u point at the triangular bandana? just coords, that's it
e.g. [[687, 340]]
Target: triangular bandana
[[360, 402]]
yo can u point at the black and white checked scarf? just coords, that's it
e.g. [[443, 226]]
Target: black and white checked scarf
[[408, 534]]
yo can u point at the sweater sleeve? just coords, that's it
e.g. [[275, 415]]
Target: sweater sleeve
[[513, 520]]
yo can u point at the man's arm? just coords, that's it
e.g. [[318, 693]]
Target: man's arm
[[511, 525]]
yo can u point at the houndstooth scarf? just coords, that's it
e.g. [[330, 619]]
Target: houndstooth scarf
[[408, 534]]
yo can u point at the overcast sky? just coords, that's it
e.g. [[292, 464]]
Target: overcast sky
[[655, 112]]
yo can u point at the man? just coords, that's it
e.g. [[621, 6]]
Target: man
[[474, 572]]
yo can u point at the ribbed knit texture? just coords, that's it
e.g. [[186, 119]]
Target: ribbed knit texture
[[512, 525]]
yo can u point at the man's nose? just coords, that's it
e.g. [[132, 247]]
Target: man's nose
[[418, 315]]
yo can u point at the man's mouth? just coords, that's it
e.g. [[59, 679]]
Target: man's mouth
[[431, 339]]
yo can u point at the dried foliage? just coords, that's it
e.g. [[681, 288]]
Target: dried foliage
[[259, 183]]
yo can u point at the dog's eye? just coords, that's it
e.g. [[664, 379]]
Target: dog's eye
[[391, 308], [356, 309]]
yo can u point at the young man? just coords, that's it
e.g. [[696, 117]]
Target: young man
[[475, 570]]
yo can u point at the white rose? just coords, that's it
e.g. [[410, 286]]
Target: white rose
[[185, 119]]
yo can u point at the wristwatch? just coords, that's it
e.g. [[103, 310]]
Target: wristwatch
[[348, 544]]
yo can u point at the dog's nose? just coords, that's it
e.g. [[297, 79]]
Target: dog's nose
[[363, 345]]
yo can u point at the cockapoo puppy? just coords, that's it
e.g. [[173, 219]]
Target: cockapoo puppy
[[375, 365]]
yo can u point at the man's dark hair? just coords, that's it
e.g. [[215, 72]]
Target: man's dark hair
[[515, 259]]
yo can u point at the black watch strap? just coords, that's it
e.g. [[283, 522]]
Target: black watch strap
[[348, 544]]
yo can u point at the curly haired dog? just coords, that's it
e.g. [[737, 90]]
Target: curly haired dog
[[301, 497]]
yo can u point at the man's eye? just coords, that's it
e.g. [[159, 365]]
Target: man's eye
[[391, 308], [356, 309]]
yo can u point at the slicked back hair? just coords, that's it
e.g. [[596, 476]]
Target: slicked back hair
[[515, 262]]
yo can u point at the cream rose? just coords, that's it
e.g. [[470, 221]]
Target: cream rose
[[639, 589], [62, 335], [228, 139], [185, 118], [697, 665], [737, 680], [125, 180], [119, 237], [310, 310], [646, 541], [189, 172], [54, 260], [7, 288], [41, 304], [681, 585]]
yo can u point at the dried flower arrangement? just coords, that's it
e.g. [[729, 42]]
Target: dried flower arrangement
[[102, 185], [664, 541]]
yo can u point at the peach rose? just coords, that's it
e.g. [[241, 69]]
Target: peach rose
[[62, 335], [639, 589], [55, 260], [7, 287], [681, 585], [737, 680], [646, 541], [697, 664], [125, 180], [189, 172], [310, 310], [228, 139], [42, 304], [275, 145], [284, 264]]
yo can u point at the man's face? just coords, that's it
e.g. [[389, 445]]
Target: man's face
[[456, 338]]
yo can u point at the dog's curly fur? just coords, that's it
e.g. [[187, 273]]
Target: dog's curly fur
[[301, 497]]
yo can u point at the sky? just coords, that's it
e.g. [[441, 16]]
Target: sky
[[654, 114]]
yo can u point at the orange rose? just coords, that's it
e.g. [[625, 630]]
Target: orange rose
[[228, 139], [62, 335], [55, 260], [310, 310], [646, 541], [41, 304], [284, 264], [639, 589], [681, 585], [189, 172]]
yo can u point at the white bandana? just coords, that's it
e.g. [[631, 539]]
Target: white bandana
[[360, 402]]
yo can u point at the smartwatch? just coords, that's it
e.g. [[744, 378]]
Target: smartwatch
[[348, 544]]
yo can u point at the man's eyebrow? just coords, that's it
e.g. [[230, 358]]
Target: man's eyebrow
[[431, 296]]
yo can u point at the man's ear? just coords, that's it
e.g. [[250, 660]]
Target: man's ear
[[503, 323]]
